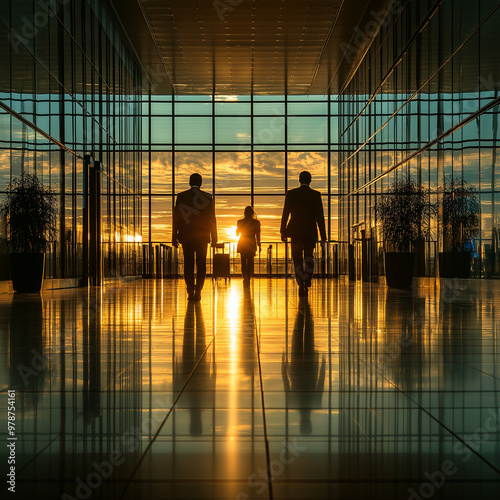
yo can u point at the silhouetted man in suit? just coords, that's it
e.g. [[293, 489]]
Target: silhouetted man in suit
[[193, 225], [304, 208]]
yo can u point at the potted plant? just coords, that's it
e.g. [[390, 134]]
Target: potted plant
[[404, 213], [32, 222], [460, 225]]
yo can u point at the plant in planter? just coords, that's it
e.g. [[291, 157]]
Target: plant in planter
[[460, 225], [32, 217], [404, 213]]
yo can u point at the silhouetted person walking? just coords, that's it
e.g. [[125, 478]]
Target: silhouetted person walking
[[249, 231], [193, 226], [304, 208]]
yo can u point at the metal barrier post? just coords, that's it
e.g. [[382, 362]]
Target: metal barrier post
[[269, 260], [158, 261]]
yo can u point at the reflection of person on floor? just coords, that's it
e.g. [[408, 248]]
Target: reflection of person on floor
[[248, 229], [200, 389], [303, 376], [194, 225]]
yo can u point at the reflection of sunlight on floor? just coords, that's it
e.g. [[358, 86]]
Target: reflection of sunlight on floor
[[233, 304], [233, 307]]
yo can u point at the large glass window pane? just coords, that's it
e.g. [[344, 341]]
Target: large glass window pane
[[269, 210], [307, 108], [161, 219], [145, 131], [145, 219], [193, 98], [269, 172], [193, 108], [315, 163], [486, 168], [269, 108], [232, 108], [161, 130], [145, 173], [161, 108], [187, 163], [4, 168], [232, 130], [232, 172], [334, 130], [334, 173], [161, 172], [334, 220], [470, 162], [193, 130], [310, 98], [232, 98], [486, 201], [269, 130], [307, 130], [268, 97]]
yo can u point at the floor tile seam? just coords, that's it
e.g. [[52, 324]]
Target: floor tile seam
[[264, 421], [285, 481], [376, 480], [381, 390], [444, 426], [494, 377], [181, 392]]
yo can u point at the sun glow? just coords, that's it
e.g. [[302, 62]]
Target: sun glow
[[229, 234], [128, 238]]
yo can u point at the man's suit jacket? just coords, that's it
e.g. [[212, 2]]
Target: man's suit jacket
[[194, 217], [304, 207]]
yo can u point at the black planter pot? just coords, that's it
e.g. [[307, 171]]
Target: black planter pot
[[454, 264], [26, 270], [399, 269]]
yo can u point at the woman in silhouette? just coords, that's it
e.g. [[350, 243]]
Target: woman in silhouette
[[248, 229]]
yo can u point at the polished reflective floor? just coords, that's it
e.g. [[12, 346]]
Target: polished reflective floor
[[129, 391]]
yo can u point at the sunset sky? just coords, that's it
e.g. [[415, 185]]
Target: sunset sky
[[232, 187]]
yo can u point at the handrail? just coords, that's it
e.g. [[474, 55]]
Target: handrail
[[162, 260]]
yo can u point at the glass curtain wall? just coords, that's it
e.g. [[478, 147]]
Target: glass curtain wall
[[69, 88], [249, 150], [424, 102]]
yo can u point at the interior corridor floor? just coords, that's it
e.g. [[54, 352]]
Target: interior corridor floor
[[130, 391]]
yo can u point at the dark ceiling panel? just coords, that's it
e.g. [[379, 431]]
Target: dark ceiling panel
[[259, 46]]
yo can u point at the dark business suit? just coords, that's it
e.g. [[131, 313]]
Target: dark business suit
[[193, 226], [304, 208]]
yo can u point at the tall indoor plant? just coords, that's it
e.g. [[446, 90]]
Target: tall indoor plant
[[32, 217], [460, 225], [404, 213]]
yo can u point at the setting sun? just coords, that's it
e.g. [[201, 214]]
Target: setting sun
[[229, 234]]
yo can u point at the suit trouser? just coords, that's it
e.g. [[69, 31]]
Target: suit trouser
[[194, 252], [303, 261], [247, 259]]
